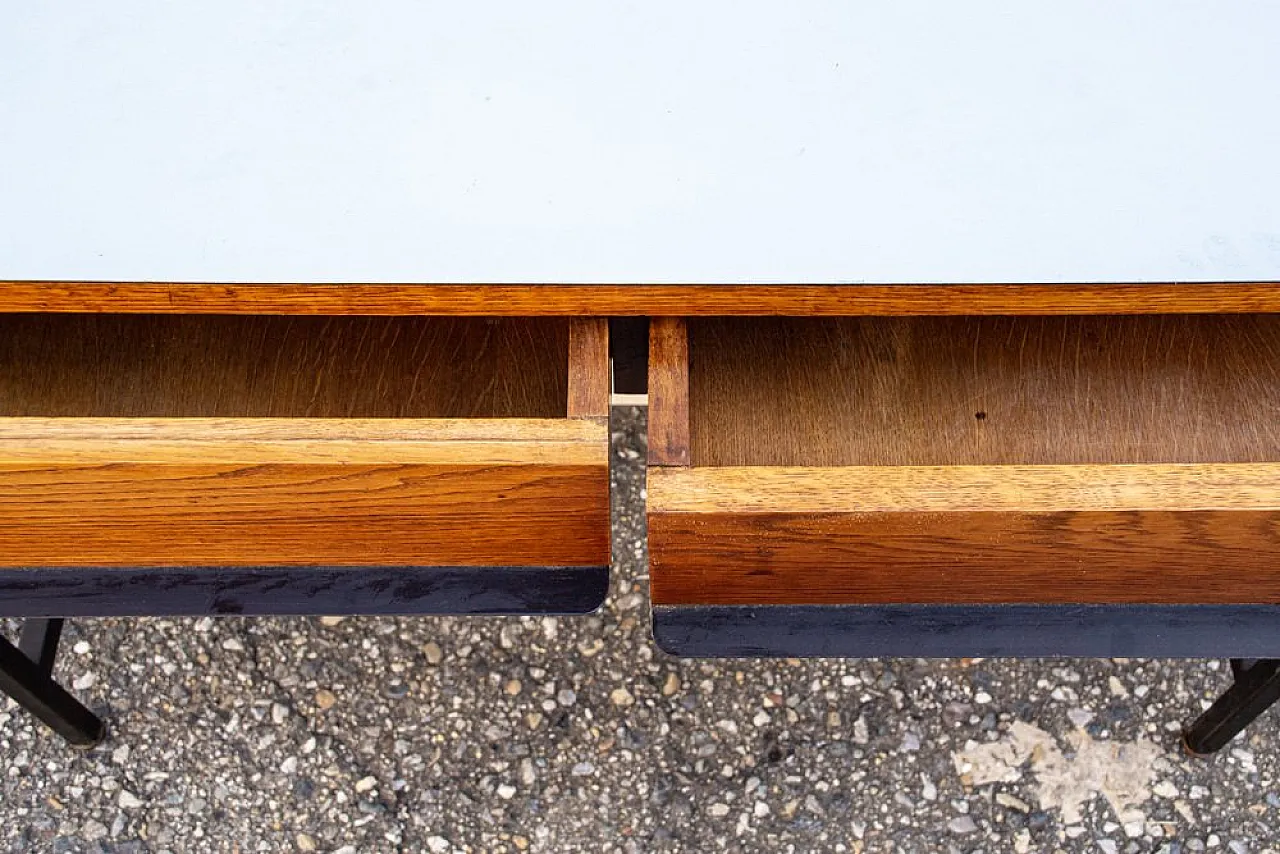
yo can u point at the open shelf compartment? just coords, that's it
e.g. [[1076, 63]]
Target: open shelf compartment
[[960, 463], [445, 461]]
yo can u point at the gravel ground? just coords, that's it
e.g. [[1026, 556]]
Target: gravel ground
[[577, 734]]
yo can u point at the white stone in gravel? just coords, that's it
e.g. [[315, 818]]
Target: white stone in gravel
[[279, 713], [928, 791], [982, 698], [506, 791], [1198, 792], [621, 697], [1108, 846], [861, 733], [233, 644], [84, 681], [437, 844], [962, 824], [331, 621], [527, 774], [1245, 758], [910, 743], [434, 655], [81, 648], [305, 842], [1080, 717], [1133, 829], [1165, 789], [1007, 800], [128, 800], [567, 697], [289, 765], [718, 810], [761, 809], [120, 755], [761, 718], [583, 769], [366, 784], [1117, 687]]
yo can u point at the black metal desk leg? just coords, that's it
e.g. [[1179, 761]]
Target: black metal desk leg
[[1256, 689], [26, 675]]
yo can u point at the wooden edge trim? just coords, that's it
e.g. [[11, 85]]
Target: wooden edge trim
[[949, 631], [300, 591], [589, 384], [942, 489], [668, 392], [196, 441], [639, 299]]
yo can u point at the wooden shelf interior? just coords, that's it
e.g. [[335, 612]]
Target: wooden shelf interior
[[157, 366], [983, 390]]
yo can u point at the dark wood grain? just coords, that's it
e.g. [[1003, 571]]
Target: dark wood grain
[[222, 366], [972, 631], [987, 390], [668, 392], [83, 591], [1198, 556], [639, 299]]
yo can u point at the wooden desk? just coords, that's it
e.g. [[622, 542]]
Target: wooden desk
[[965, 332]]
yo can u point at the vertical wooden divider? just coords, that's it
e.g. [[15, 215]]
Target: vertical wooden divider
[[589, 390], [668, 392]]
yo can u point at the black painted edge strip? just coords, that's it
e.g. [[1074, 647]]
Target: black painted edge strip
[[300, 591], [968, 631]]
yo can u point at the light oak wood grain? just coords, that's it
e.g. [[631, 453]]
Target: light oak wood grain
[[984, 390], [142, 514], [638, 299], [1112, 557], [991, 534], [248, 441], [668, 392], [194, 492], [965, 489], [589, 381]]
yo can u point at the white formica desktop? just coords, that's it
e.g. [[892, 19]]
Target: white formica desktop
[[663, 142]]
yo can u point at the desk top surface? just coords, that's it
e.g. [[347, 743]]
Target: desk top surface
[[660, 142]]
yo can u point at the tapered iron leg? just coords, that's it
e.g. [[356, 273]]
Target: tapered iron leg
[[1256, 689], [26, 675]]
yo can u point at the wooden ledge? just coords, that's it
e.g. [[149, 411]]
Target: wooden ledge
[[249, 441], [941, 489], [639, 299]]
